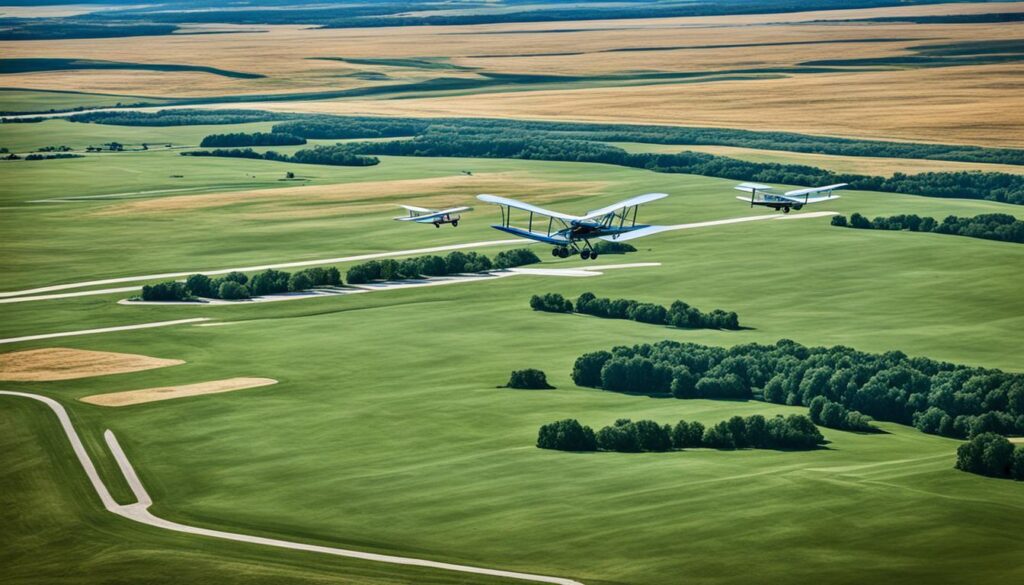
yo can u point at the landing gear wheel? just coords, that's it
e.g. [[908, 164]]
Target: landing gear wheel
[[437, 225], [554, 252], [455, 223], [785, 210], [585, 254], [563, 252], [593, 255]]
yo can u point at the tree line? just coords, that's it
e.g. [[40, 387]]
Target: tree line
[[177, 117], [678, 314], [992, 455], [936, 397], [1001, 227], [1002, 187], [238, 286], [251, 139], [793, 432], [347, 127], [456, 262], [318, 155]]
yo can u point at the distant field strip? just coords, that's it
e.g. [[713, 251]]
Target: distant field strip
[[11, 66], [145, 395], [103, 330], [139, 511]]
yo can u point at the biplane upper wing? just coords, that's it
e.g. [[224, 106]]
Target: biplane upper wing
[[631, 202], [514, 204]]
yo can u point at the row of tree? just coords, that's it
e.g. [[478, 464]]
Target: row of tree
[[936, 397], [833, 415], [177, 117], [991, 454], [679, 314], [251, 139], [794, 432], [456, 262], [318, 155], [339, 127], [1002, 187], [237, 286], [989, 226]]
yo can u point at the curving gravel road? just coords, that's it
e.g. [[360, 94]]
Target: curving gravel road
[[139, 511]]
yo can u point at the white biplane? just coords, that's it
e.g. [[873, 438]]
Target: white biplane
[[763, 195], [436, 217], [566, 232]]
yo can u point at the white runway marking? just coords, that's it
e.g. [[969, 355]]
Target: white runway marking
[[103, 330], [139, 511]]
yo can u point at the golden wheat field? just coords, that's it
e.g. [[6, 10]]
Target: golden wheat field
[[970, 103]]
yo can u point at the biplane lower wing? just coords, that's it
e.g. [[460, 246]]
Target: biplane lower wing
[[537, 237]]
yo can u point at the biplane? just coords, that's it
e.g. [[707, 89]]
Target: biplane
[[763, 195], [436, 217], [571, 234]]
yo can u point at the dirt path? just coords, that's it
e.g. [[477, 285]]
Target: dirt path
[[139, 511]]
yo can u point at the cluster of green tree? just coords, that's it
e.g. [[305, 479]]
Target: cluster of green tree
[[37, 29], [61, 148], [679, 314], [795, 432], [936, 397], [989, 226], [991, 454], [1002, 187], [331, 127], [181, 117], [318, 155], [253, 139], [529, 379], [606, 247], [236, 285], [551, 303], [515, 257], [836, 416], [375, 127], [456, 262], [36, 156]]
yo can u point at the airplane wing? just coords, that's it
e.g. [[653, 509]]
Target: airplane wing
[[512, 203], [816, 199], [751, 187], [637, 233], [638, 200], [812, 190], [416, 209], [431, 215]]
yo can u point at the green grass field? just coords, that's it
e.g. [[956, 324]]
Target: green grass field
[[388, 432]]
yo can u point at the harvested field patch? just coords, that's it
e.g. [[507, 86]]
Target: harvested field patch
[[58, 363], [359, 197], [169, 392]]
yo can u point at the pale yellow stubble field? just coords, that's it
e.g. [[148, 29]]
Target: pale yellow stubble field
[[969, 104]]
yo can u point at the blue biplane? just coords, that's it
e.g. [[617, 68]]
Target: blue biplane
[[567, 232], [762, 195]]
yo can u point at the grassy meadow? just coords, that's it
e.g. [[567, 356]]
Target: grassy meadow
[[389, 430]]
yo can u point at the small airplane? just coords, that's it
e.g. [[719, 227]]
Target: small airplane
[[422, 215], [762, 195], [565, 232]]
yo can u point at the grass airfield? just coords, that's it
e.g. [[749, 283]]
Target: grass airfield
[[387, 431]]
